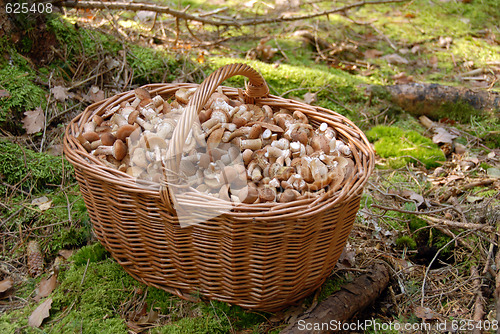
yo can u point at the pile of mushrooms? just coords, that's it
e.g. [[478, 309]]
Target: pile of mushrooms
[[237, 152]]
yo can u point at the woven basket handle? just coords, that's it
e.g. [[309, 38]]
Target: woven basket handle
[[256, 88]]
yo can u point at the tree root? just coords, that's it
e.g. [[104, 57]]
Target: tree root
[[344, 304]]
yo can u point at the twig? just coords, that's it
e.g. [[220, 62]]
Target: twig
[[384, 36], [203, 19], [386, 208], [497, 278], [85, 272], [467, 226], [432, 261], [478, 301], [88, 79], [53, 118]]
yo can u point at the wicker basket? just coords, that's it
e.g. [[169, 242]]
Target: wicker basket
[[259, 256]]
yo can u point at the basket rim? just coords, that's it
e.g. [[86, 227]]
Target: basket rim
[[362, 152]]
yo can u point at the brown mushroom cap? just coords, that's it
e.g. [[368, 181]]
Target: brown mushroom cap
[[132, 117], [142, 93], [288, 195], [124, 131], [107, 138], [119, 150], [267, 194], [249, 194], [91, 136]]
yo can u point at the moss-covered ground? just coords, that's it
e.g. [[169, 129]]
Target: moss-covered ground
[[414, 186]]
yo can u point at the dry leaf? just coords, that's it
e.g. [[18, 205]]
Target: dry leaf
[[34, 120], [348, 257], [60, 93], [6, 284], [402, 78], [40, 313], [66, 253], [47, 286], [426, 313], [96, 94], [310, 98], [372, 53], [443, 136], [445, 42], [395, 59], [43, 203], [4, 93]]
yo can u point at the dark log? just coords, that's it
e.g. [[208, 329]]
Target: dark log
[[344, 304], [438, 101]]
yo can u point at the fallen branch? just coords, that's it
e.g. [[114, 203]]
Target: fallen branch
[[344, 304], [433, 100], [478, 300], [203, 17], [467, 226]]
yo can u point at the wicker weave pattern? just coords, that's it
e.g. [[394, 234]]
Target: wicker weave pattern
[[260, 256]]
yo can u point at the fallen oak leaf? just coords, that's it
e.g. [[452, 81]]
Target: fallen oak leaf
[[60, 93], [6, 284], [40, 313], [426, 313], [66, 253], [46, 287], [34, 120], [310, 98], [443, 136]]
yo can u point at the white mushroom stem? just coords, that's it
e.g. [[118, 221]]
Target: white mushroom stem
[[252, 144], [118, 120], [282, 144], [274, 152], [148, 113]]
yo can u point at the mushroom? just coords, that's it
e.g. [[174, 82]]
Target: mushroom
[[252, 144], [155, 144], [298, 149], [165, 128], [248, 194], [288, 195], [182, 95], [142, 93], [134, 118], [214, 139], [118, 150], [106, 139], [138, 158], [247, 156], [267, 193], [118, 120], [85, 143], [320, 143], [300, 116], [91, 136], [217, 116], [126, 130]]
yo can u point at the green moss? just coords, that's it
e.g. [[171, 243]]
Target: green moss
[[290, 77], [331, 285], [405, 241], [24, 94], [150, 65], [400, 147], [29, 169], [92, 253]]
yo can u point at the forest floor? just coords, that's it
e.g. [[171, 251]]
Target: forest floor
[[430, 211]]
